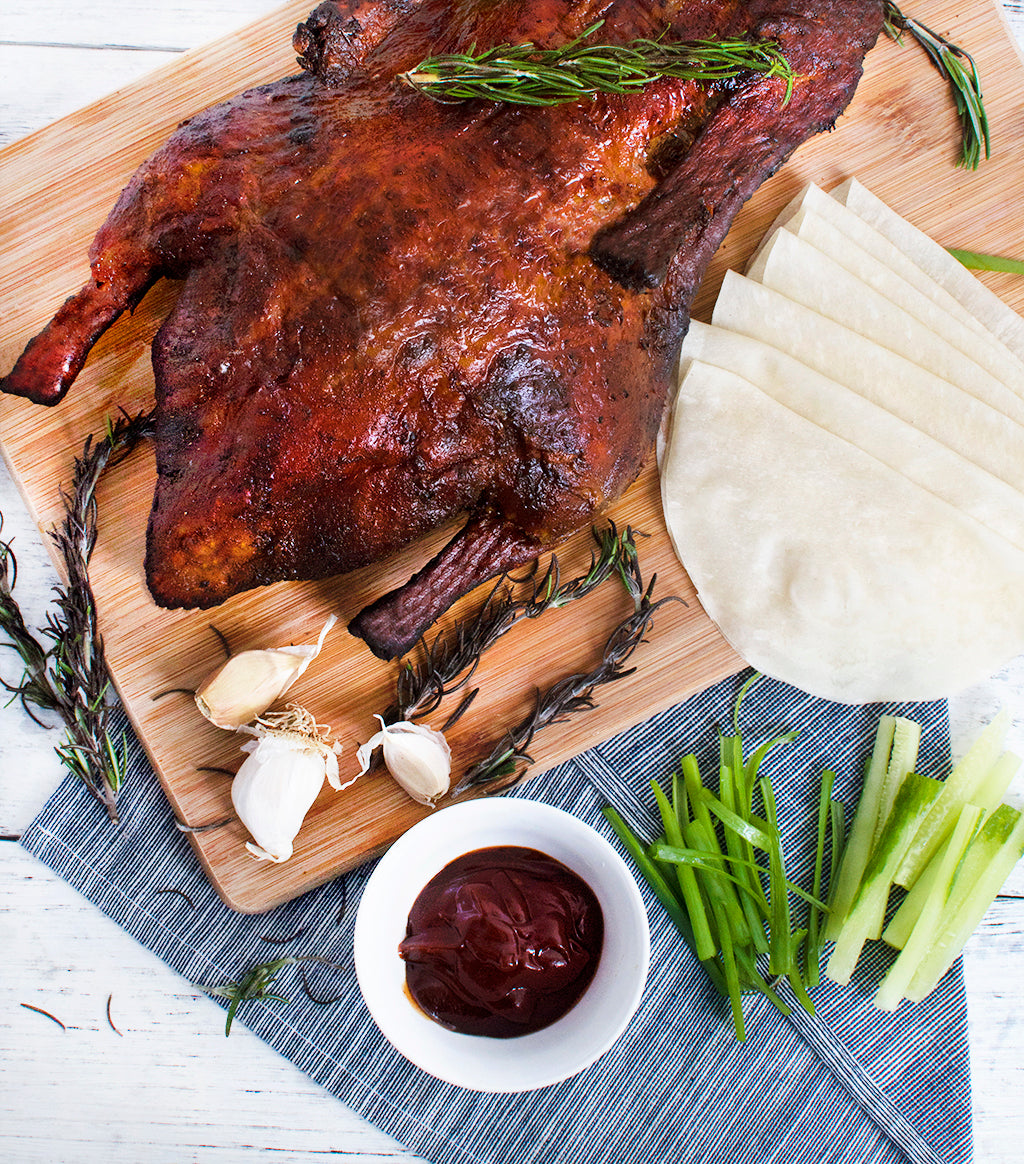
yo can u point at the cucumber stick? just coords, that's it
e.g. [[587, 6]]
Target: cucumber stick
[[913, 802], [906, 740], [896, 982], [990, 792], [858, 844], [988, 796], [987, 863], [957, 790]]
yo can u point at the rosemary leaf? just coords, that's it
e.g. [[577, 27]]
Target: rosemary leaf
[[522, 74], [39, 1010], [257, 983], [110, 999], [33, 689], [961, 74]]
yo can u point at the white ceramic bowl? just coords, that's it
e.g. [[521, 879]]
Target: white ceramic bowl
[[546, 1056]]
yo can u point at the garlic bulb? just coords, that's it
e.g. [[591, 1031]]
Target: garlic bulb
[[416, 756], [250, 682], [287, 761]]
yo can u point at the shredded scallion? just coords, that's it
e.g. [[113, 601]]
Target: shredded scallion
[[719, 869]]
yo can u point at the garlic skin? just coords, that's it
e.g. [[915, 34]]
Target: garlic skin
[[251, 681], [280, 778], [417, 757]]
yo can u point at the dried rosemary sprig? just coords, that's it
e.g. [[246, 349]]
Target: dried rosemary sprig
[[958, 67], [522, 74], [450, 661], [507, 761], [68, 675]]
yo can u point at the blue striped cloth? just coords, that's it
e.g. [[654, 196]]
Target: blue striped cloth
[[851, 1085]]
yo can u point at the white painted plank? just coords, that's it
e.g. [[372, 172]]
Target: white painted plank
[[170, 1087], [41, 84], [130, 24]]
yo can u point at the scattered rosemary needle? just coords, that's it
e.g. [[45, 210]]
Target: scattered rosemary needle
[[39, 1010], [177, 892], [210, 827], [961, 73], [69, 674], [282, 941], [110, 999], [522, 74]]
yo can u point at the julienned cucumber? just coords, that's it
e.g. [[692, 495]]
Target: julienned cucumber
[[988, 862], [952, 843], [896, 983], [914, 798], [987, 797], [893, 756], [862, 832], [959, 789]]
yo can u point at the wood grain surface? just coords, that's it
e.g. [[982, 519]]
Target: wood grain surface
[[899, 138]]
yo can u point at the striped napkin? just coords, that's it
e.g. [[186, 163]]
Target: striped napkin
[[851, 1085]]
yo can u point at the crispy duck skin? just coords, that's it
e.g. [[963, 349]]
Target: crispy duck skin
[[395, 312]]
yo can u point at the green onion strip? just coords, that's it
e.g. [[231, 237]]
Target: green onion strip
[[719, 869]]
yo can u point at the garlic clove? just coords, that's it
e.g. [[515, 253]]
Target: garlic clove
[[272, 792], [280, 778], [251, 681], [418, 758]]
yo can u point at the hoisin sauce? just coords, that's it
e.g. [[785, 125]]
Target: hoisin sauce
[[503, 941]]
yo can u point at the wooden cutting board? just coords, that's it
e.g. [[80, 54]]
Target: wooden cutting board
[[899, 137]]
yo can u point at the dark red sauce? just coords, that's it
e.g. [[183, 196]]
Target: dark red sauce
[[503, 941]]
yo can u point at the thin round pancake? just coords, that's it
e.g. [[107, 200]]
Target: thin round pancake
[[825, 567]]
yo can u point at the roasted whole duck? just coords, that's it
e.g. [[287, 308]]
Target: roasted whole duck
[[395, 312]]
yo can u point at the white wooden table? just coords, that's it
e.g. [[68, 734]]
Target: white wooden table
[[170, 1087]]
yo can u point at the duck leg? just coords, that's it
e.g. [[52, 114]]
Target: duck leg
[[684, 218], [49, 364], [487, 545]]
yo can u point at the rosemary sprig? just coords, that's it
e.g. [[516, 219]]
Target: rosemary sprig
[[525, 75], [258, 981], [522, 74], [449, 663], [33, 689], [68, 675], [509, 758], [958, 67]]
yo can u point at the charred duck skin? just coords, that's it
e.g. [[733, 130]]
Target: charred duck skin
[[394, 312]]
